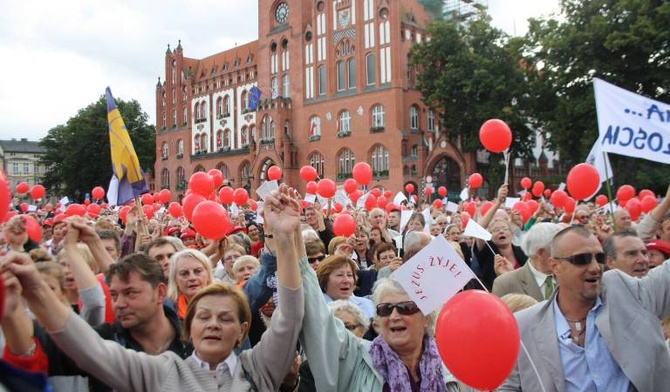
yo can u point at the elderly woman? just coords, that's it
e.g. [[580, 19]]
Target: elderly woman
[[217, 320], [190, 271], [403, 357], [244, 268], [337, 278]]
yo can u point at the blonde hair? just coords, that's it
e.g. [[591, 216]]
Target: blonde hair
[[246, 259], [84, 252], [517, 302], [173, 289]]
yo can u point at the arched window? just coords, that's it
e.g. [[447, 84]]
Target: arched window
[[165, 178], [287, 128], [414, 117], [203, 142], [323, 80], [226, 105], [380, 160], [244, 136], [245, 173], [244, 98], [174, 118], [274, 84], [185, 114], [430, 117], [286, 85], [346, 162], [180, 146], [219, 140], [317, 161], [371, 70], [273, 129], [219, 107], [196, 111], [344, 123], [203, 110], [341, 76], [165, 150], [314, 126], [226, 138], [196, 143], [181, 177], [378, 116], [224, 169], [351, 68]]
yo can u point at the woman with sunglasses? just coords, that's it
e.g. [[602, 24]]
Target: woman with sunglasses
[[403, 357]]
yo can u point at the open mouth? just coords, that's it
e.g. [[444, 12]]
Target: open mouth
[[398, 329], [212, 338], [592, 280]]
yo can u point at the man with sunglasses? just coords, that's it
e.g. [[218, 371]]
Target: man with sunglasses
[[599, 331]]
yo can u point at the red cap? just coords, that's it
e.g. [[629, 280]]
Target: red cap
[[660, 245], [188, 233], [236, 229], [171, 230]]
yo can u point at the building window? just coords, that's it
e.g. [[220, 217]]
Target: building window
[[317, 161], [414, 151], [314, 127], [286, 84], [414, 117], [431, 120], [274, 83], [203, 110], [181, 177], [371, 69], [273, 130], [244, 98], [174, 118], [226, 105], [219, 139], [351, 64], [226, 137], [244, 136], [180, 147], [323, 80], [26, 168], [15, 166], [341, 76], [346, 161], [165, 150], [219, 107], [165, 179], [378, 116], [344, 123], [185, 115], [380, 161]]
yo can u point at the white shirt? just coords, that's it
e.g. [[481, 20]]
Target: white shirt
[[540, 278], [229, 364]]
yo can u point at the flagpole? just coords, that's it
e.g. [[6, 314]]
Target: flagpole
[[609, 190]]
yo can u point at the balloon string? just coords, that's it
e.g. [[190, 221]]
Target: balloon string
[[506, 155], [532, 364]]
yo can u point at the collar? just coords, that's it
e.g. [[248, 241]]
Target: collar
[[562, 326], [540, 277], [228, 365]]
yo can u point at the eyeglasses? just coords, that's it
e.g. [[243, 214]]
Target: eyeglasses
[[584, 258], [315, 259], [406, 308], [351, 327]]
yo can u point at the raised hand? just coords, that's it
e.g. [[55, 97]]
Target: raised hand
[[282, 211]]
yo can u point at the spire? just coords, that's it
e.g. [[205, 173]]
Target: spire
[[178, 48], [168, 51], [159, 82]]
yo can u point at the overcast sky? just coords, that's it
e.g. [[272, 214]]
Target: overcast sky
[[58, 56]]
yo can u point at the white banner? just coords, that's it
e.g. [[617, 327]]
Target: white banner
[[631, 124], [434, 275]]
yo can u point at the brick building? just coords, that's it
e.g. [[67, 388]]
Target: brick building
[[336, 90]]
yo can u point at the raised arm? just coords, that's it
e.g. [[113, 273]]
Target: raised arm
[[88, 236], [486, 219], [652, 222]]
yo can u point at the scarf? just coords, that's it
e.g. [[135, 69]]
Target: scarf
[[393, 370], [182, 305]]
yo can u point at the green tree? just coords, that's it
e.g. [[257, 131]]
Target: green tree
[[625, 42], [78, 154], [473, 73]]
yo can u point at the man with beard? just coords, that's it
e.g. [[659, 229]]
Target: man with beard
[[599, 331]]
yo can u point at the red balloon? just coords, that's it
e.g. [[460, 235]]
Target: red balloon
[[526, 182], [442, 191], [226, 195], [495, 135], [344, 225], [634, 208], [350, 185], [601, 200], [175, 209], [33, 228], [87, 202], [148, 210], [486, 207], [217, 176], [311, 188], [201, 183], [558, 198], [24, 207], [240, 196], [481, 325], [98, 193], [59, 217], [308, 173], [164, 196], [370, 202], [147, 198], [123, 213], [648, 203], [338, 207], [38, 192], [469, 207], [466, 218], [376, 192], [523, 209], [476, 180], [547, 193], [22, 187], [570, 205], [388, 194], [382, 201], [625, 193], [275, 173], [533, 205], [326, 188], [527, 196], [354, 196], [362, 173], [93, 210], [211, 220], [538, 188], [75, 209], [644, 193], [409, 188], [428, 191], [583, 181], [253, 205], [438, 204], [5, 195], [189, 203]]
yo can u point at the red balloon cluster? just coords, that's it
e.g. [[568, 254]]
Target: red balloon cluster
[[625, 193], [350, 185], [538, 188], [201, 183], [189, 203], [217, 176], [466, 324], [226, 195], [559, 198], [164, 196], [240, 196], [495, 135], [175, 209]]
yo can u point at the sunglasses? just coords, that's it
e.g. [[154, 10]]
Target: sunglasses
[[315, 259], [584, 258], [406, 308]]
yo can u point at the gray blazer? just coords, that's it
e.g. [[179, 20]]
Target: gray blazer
[[629, 323], [519, 281]]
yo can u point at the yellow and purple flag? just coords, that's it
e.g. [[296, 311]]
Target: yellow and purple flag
[[128, 179]]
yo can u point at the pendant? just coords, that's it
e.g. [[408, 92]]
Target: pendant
[[578, 326]]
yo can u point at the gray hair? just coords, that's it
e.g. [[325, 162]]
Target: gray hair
[[414, 242], [173, 289], [341, 306], [384, 286], [609, 245], [539, 237]]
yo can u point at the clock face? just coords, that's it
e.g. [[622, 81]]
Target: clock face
[[281, 13]]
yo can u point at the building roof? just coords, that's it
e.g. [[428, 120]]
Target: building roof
[[23, 146], [205, 68]]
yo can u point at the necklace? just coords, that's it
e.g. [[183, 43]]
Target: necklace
[[577, 338], [577, 323]]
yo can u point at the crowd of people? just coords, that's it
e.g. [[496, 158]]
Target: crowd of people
[[284, 303]]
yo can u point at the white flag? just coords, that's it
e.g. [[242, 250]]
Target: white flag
[[266, 188], [399, 198], [464, 194], [474, 229], [598, 158], [434, 275]]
